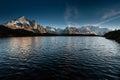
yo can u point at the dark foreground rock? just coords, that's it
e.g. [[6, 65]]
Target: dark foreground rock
[[114, 35]]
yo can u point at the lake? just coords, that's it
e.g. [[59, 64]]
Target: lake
[[59, 58]]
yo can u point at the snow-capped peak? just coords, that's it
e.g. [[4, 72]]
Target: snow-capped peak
[[79, 30], [22, 22], [23, 18]]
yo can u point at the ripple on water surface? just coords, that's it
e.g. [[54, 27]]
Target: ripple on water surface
[[59, 58]]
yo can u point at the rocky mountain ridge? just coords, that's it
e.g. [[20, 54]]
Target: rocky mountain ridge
[[24, 26]]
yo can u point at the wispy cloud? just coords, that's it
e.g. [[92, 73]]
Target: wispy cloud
[[71, 14], [108, 20], [110, 13], [68, 13], [109, 16]]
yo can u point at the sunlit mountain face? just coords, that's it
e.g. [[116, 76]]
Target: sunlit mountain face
[[62, 13], [23, 26]]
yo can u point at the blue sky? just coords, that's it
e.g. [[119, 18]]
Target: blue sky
[[60, 13]]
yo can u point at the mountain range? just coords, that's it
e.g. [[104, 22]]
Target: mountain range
[[23, 26], [81, 30]]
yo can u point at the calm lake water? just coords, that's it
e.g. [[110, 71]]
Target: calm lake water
[[59, 58]]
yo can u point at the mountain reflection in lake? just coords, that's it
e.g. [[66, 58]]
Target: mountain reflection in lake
[[59, 58]]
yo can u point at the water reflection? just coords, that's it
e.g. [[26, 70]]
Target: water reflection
[[21, 47]]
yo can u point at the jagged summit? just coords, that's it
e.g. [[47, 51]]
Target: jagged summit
[[25, 23], [24, 18], [22, 22]]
